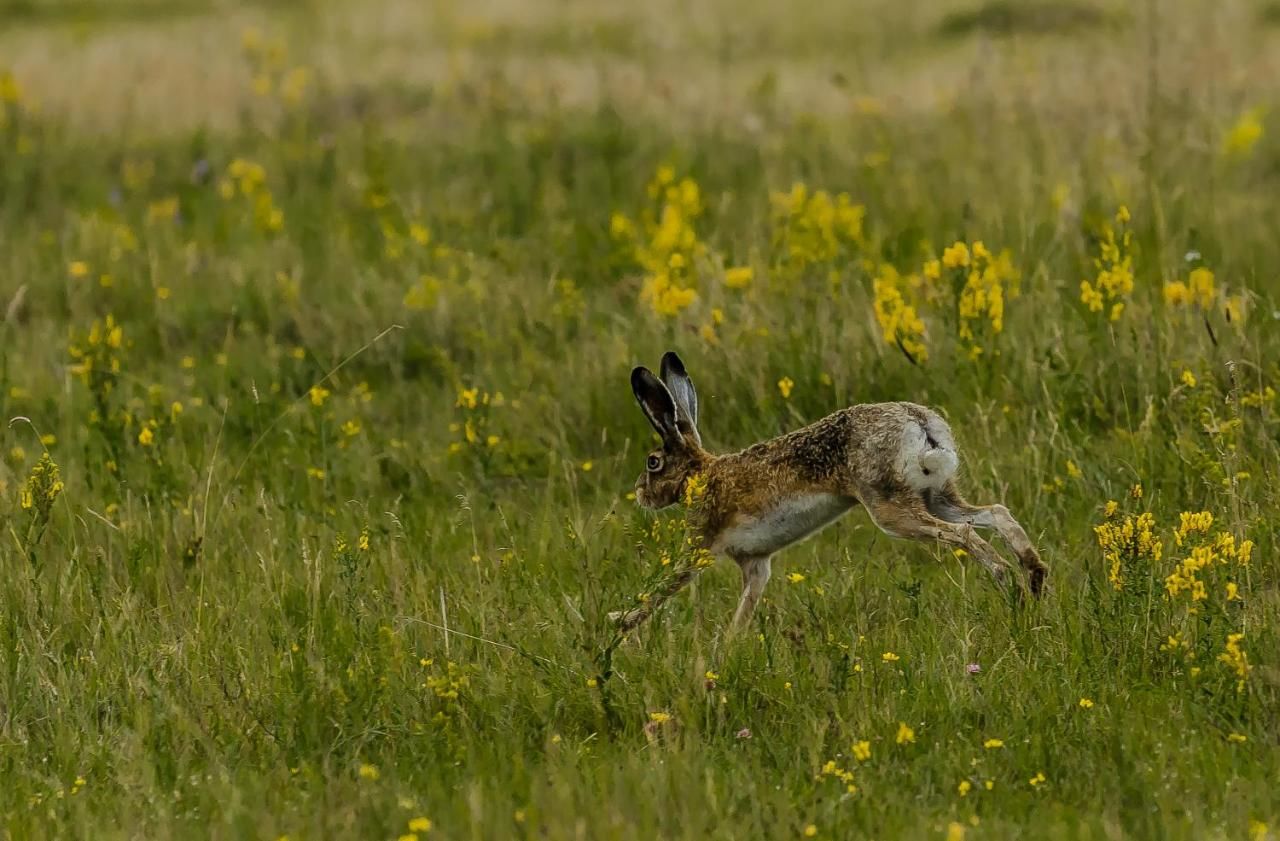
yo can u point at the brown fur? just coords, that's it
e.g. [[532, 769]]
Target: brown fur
[[896, 459]]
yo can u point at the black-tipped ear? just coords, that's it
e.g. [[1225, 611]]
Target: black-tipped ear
[[680, 386], [656, 402]]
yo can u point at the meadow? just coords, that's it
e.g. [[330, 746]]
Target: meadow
[[315, 485]]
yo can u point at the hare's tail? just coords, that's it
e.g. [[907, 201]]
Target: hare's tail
[[928, 459], [939, 462]]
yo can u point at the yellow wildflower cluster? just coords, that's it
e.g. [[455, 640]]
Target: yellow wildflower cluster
[[896, 302], [1244, 134], [96, 358], [1192, 523], [695, 488], [815, 227], [269, 62], [10, 98], [474, 430], [1205, 554], [985, 281], [664, 242], [42, 487], [834, 771], [1236, 659], [448, 686], [1126, 543], [248, 180], [1198, 290], [10, 90], [37, 496], [443, 269], [1113, 285], [1208, 562], [1258, 399]]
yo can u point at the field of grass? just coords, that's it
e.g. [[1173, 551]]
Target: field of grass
[[317, 326]]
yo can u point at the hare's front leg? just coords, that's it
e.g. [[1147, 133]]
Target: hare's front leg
[[948, 505], [630, 619], [755, 574], [904, 515]]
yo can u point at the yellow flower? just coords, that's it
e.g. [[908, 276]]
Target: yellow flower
[[1233, 591], [955, 831], [695, 488], [955, 256], [592, 683], [785, 386], [795, 577], [1244, 134], [78, 268], [468, 398], [738, 277], [905, 734], [1086, 703], [889, 657], [659, 717], [810, 831], [897, 310], [1238, 738], [1257, 830], [1201, 285], [146, 436], [420, 824], [964, 787], [1037, 779], [318, 394], [665, 296], [1072, 470], [862, 750], [1236, 659], [1176, 293], [369, 772], [991, 744], [587, 465], [1188, 379]]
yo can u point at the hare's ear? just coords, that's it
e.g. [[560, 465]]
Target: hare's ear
[[657, 403], [680, 386]]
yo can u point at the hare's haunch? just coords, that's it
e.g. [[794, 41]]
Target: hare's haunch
[[898, 460]]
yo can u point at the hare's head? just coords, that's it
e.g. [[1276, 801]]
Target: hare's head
[[671, 405]]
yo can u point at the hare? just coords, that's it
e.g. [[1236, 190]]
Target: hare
[[898, 460]]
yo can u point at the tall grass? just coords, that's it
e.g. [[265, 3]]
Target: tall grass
[[333, 370]]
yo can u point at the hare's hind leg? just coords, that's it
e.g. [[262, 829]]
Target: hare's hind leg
[[755, 574], [905, 515], [948, 505]]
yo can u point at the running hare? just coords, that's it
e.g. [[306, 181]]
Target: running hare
[[897, 459]]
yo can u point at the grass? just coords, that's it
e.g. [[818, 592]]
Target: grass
[[333, 366]]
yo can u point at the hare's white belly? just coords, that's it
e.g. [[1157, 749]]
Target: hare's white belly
[[790, 520]]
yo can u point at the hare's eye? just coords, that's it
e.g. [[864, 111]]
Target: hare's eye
[[655, 462]]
